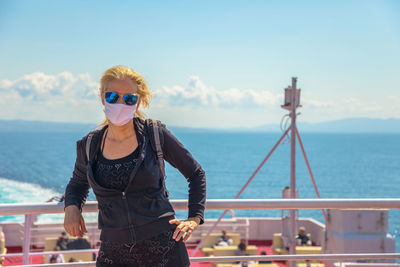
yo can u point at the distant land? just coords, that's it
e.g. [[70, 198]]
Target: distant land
[[348, 125]]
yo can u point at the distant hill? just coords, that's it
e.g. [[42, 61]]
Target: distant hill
[[350, 125], [355, 125], [44, 126]]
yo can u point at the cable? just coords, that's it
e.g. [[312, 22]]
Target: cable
[[283, 125], [284, 128]]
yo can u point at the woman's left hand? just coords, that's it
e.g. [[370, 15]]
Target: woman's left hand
[[185, 226]]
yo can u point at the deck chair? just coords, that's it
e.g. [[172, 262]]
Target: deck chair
[[50, 243]]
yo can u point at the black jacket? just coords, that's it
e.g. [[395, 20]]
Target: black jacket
[[144, 200]]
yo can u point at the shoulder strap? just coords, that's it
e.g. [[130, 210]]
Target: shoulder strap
[[158, 146], [88, 141], [160, 156]]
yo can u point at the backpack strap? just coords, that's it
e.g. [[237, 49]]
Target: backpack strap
[[160, 156], [88, 141], [158, 147]]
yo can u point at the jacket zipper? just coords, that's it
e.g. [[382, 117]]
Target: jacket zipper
[[124, 199], [131, 230], [132, 175]]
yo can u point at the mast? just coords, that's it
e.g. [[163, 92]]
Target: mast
[[292, 248], [291, 102]]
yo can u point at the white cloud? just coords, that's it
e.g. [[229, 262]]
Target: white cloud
[[356, 105], [40, 96], [69, 97], [196, 93], [42, 87], [316, 103]]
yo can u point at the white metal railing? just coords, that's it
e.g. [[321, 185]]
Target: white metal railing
[[258, 258], [218, 204], [69, 251], [29, 209]]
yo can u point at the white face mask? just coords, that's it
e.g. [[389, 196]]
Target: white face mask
[[119, 114]]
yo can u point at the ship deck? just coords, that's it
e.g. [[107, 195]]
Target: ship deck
[[38, 259], [258, 231]]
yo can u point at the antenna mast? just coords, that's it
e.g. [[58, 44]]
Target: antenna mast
[[292, 95]]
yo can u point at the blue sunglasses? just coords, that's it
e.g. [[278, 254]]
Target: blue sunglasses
[[129, 99]]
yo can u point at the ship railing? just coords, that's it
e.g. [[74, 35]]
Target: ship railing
[[41, 230], [33, 209]]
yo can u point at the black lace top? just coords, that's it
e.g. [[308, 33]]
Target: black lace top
[[114, 173]]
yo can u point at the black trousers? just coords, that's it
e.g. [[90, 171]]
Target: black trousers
[[158, 251]]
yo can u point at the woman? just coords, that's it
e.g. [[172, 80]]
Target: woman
[[137, 222]]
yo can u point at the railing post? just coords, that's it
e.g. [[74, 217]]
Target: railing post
[[27, 238], [247, 230]]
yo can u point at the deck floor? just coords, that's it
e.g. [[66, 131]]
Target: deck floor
[[260, 248], [12, 261]]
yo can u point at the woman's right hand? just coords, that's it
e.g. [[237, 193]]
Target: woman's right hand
[[74, 224]]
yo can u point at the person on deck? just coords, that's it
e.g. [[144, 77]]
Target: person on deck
[[302, 238], [224, 240], [62, 241], [123, 162]]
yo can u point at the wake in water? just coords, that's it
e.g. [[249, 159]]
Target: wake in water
[[13, 191]]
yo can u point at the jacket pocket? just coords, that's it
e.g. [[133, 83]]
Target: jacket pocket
[[148, 206], [112, 213]]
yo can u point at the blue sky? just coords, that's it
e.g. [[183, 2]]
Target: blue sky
[[211, 63]]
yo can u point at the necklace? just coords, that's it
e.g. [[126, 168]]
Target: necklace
[[120, 141]]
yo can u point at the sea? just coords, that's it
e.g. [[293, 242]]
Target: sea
[[36, 166]]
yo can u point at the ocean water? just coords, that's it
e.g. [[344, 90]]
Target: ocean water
[[37, 166]]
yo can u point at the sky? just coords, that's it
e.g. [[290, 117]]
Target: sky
[[209, 63]]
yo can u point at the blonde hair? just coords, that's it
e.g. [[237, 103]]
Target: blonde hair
[[120, 72]]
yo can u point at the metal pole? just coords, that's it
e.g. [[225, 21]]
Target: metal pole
[[327, 223], [27, 239], [292, 241]]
